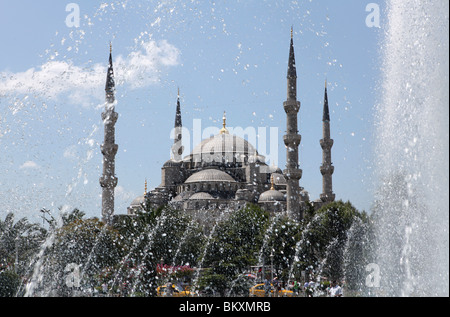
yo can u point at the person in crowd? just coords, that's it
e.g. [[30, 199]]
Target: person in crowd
[[335, 290]]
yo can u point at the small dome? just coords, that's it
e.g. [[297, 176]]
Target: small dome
[[305, 195], [274, 169], [210, 175], [271, 195], [242, 194], [172, 163], [256, 158], [201, 196], [138, 201], [187, 158], [183, 196], [279, 179]]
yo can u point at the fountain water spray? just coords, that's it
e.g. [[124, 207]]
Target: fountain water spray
[[412, 208]]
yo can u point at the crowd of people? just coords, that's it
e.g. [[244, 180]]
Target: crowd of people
[[308, 289], [312, 289], [273, 288]]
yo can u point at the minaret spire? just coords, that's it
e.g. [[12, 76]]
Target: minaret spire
[[110, 85], [292, 69], [108, 180], [326, 143], [177, 148], [292, 139], [326, 110]]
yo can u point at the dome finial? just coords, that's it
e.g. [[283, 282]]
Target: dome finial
[[272, 187], [224, 129], [145, 190]]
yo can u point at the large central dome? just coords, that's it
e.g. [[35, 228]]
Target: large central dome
[[224, 148]]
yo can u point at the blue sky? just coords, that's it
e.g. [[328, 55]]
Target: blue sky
[[223, 55]]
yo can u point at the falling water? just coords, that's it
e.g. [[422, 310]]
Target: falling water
[[412, 208]]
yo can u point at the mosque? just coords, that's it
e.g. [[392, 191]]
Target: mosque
[[224, 172]]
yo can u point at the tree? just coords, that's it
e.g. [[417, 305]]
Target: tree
[[282, 237], [80, 250], [235, 245], [19, 241], [9, 283], [358, 253], [157, 237], [324, 238]]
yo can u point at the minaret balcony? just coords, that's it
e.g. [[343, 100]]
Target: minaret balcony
[[109, 149], [110, 117], [326, 143], [108, 181], [327, 197], [293, 173], [291, 106], [327, 169], [292, 140]]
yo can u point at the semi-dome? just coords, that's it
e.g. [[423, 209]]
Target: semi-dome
[[210, 175], [201, 196], [271, 196]]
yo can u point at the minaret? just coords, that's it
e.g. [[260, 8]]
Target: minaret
[[108, 181], [177, 148], [326, 143], [292, 139]]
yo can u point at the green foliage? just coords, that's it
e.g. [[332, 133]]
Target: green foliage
[[87, 244], [324, 238], [237, 240], [9, 283], [19, 240], [156, 237], [333, 240], [213, 284], [359, 253], [282, 238], [235, 245], [88, 240]]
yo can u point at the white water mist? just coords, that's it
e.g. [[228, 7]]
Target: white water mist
[[412, 208]]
